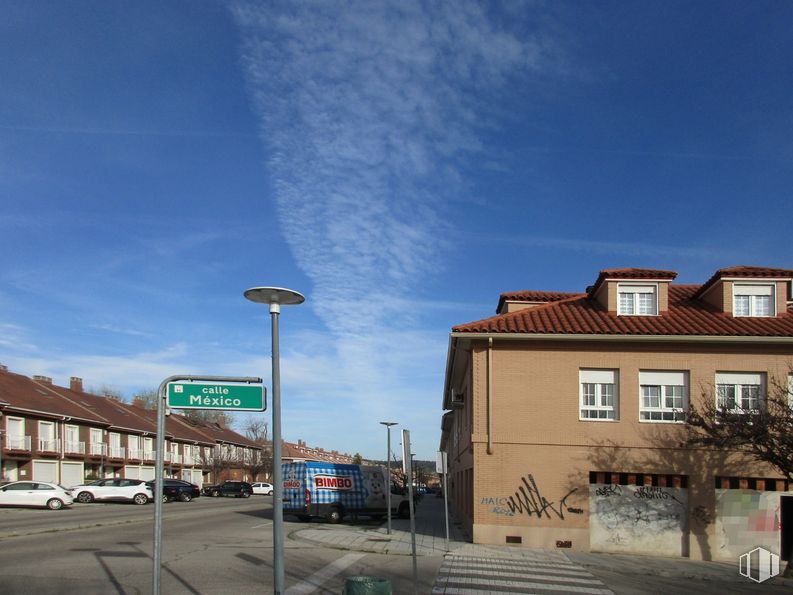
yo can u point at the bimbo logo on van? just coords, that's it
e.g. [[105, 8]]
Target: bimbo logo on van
[[333, 482]]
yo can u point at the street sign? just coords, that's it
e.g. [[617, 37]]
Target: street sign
[[219, 396]]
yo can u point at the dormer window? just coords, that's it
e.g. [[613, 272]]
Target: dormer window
[[753, 300], [637, 300]]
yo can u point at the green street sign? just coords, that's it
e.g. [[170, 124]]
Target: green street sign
[[225, 396]]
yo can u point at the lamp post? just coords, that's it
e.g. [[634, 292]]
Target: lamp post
[[388, 425], [276, 297]]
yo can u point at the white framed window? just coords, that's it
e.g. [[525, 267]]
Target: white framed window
[[740, 392], [753, 300], [148, 448], [72, 440], [637, 300], [96, 447], [599, 394], [47, 436], [663, 395]]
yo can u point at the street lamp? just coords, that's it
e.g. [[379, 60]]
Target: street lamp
[[276, 297], [388, 425]]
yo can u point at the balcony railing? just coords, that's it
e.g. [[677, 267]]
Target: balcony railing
[[98, 449], [149, 455], [175, 458], [18, 442], [117, 452], [74, 447], [48, 445], [135, 453]]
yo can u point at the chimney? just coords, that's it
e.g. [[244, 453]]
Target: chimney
[[42, 379], [3, 368], [76, 384], [139, 403]]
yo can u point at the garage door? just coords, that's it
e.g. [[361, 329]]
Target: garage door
[[71, 474], [147, 473], [131, 472], [45, 470]]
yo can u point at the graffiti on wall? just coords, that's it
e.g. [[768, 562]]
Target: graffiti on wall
[[637, 518], [498, 505], [529, 500]]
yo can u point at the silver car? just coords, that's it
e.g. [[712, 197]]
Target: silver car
[[121, 490]]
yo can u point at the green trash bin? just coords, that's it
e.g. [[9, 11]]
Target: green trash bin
[[367, 585]]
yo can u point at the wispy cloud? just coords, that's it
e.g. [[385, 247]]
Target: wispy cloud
[[367, 109], [371, 112]]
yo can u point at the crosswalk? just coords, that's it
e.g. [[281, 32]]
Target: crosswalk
[[546, 573]]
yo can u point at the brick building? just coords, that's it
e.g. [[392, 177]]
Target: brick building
[[565, 415], [66, 435]]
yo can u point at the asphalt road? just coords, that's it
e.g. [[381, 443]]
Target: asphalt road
[[210, 546]]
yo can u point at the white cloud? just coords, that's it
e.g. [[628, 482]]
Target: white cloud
[[365, 107], [369, 111]]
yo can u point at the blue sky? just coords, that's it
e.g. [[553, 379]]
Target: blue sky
[[401, 164]]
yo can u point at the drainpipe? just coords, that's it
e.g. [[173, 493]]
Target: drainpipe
[[61, 448], [490, 395]]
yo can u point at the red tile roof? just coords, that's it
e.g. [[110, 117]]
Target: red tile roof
[[542, 297], [643, 274], [21, 392], [745, 272], [582, 315]]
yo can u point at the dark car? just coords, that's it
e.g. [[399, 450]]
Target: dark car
[[176, 489], [238, 489]]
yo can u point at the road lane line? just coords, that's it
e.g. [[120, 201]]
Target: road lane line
[[320, 577], [267, 524]]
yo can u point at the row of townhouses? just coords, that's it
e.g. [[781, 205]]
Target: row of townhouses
[[66, 435], [565, 422]]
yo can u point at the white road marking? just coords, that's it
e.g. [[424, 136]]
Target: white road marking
[[320, 577], [267, 524]]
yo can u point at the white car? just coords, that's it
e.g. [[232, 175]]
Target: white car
[[35, 493], [262, 488], [129, 490]]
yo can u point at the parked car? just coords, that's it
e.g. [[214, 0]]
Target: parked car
[[238, 489], [262, 488], [176, 489], [35, 493], [124, 490]]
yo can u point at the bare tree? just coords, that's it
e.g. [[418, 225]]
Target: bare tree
[[762, 429], [147, 398], [108, 391], [218, 459], [211, 416], [260, 460]]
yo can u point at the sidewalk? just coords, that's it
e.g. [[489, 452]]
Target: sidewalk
[[364, 535], [474, 569]]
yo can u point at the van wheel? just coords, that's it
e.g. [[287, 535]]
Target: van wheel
[[334, 516], [185, 497], [141, 499]]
